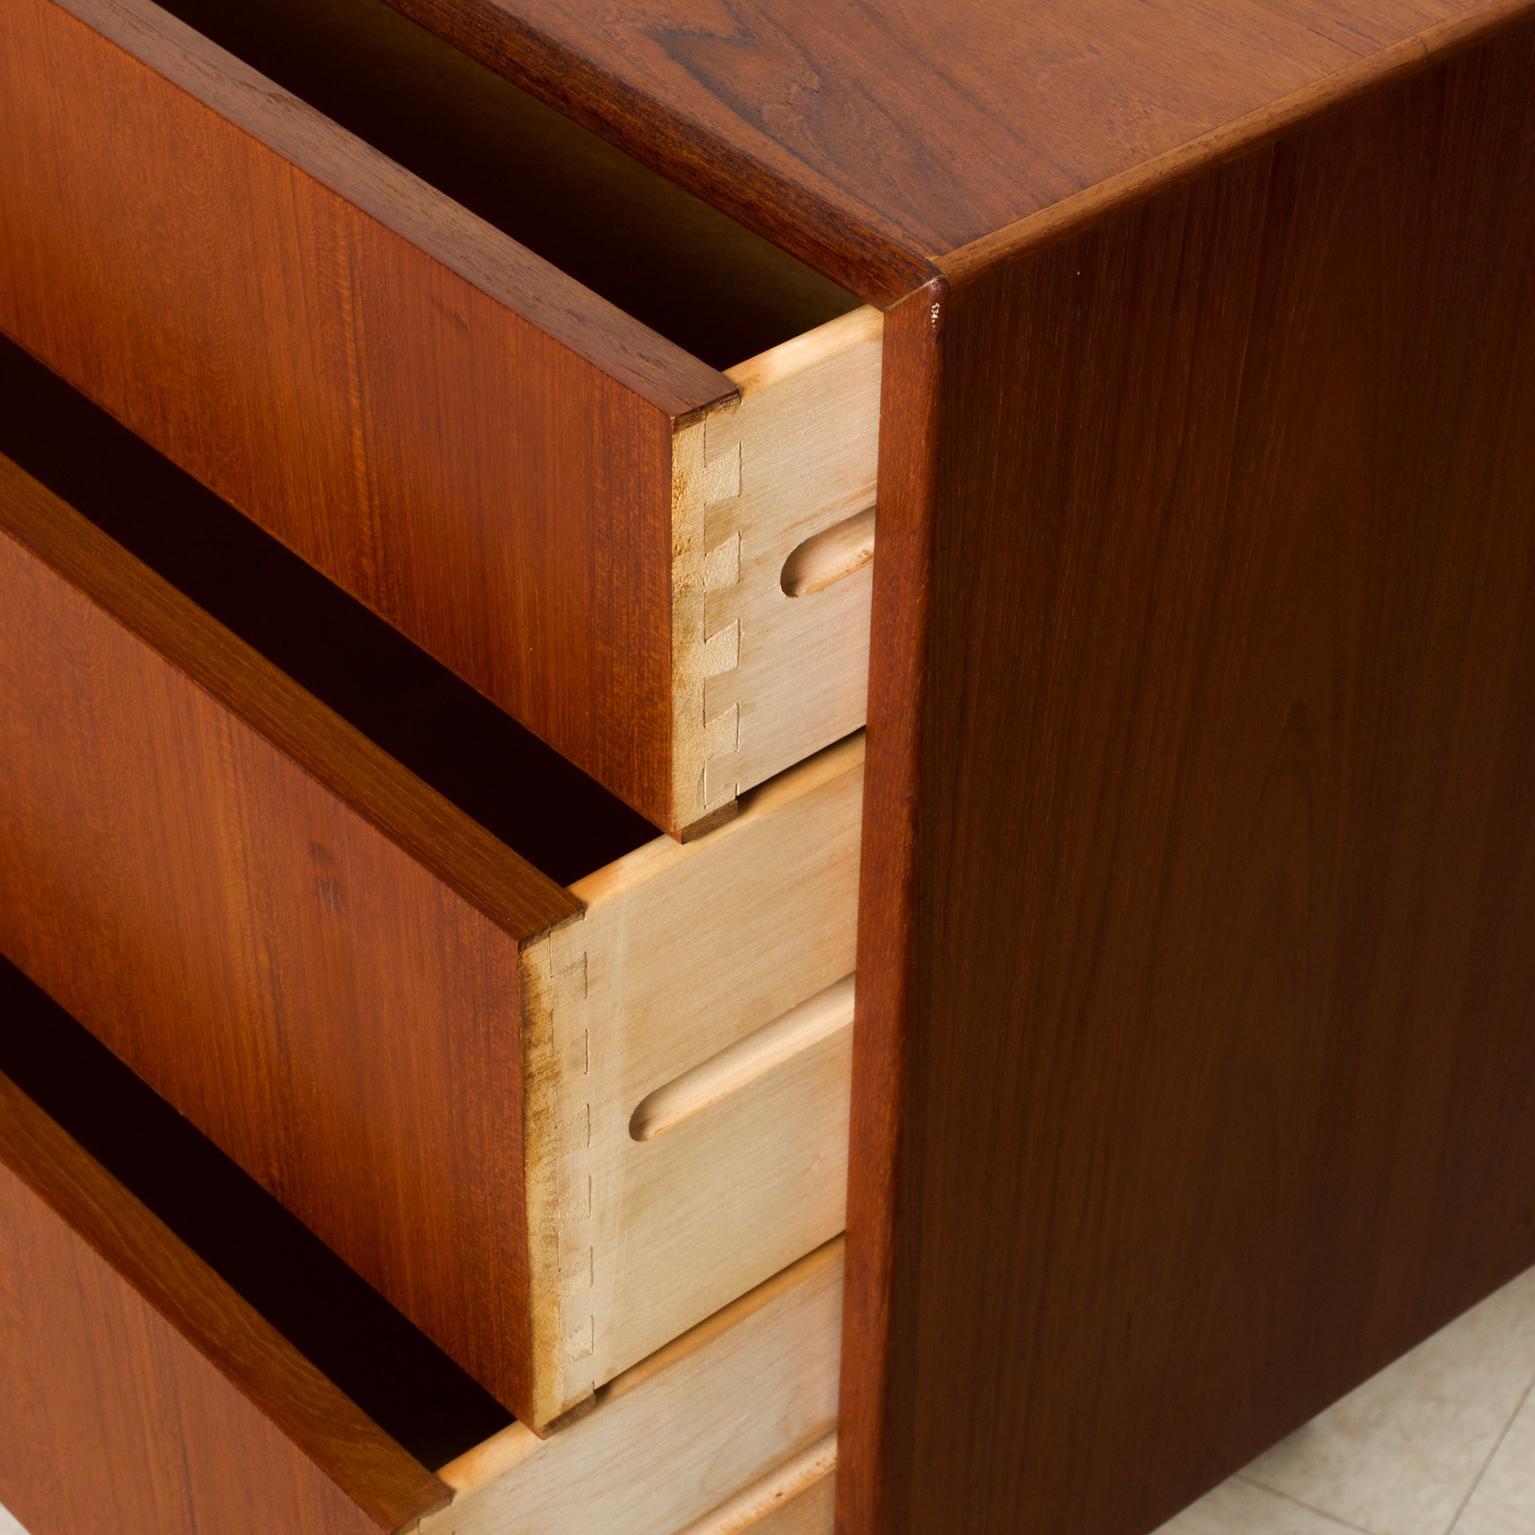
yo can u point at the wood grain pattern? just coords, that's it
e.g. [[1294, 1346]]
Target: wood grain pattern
[[494, 458], [180, 1356], [390, 1017], [681, 952], [189, 836], [142, 1393], [797, 1499], [464, 438], [716, 1410], [1196, 987], [874, 140]]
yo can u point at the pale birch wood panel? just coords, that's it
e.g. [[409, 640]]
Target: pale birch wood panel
[[680, 1434], [686, 951], [762, 678]]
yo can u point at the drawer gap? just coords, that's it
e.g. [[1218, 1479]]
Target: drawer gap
[[656, 251], [376, 1358], [450, 736]]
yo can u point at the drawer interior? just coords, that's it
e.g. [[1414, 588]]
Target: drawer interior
[[388, 1369], [688, 271], [523, 792]]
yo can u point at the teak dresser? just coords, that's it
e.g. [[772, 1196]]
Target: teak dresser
[[632, 634]]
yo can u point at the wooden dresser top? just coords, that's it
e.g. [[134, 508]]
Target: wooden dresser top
[[877, 138]]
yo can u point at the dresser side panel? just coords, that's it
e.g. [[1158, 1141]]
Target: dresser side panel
[[1195, 977]]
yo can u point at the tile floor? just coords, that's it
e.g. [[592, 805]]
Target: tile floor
[[1442, 1443]]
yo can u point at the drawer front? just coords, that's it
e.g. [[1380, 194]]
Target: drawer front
[[116, 1420], [256, 912], [429, 1051], [566, 509], [142, 1393], [147, 1394]]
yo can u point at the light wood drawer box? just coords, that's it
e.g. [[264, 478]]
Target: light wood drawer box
[[797, 1498], [555, 1118], [535, 475], [179, 1355]]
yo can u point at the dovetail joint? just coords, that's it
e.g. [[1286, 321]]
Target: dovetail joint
[[721, 651], [570, 1212]]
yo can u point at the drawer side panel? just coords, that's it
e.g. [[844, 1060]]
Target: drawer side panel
[[683, 953]]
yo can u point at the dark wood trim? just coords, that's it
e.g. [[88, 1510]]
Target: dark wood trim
[[890, 937]]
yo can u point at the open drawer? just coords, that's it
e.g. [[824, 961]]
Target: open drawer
[[555, 1085], [179, 1355], [482, 394]]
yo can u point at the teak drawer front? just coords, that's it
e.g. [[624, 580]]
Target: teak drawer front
[[128, 1369], [575, 515], [148, 1392], [554, 1126]]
